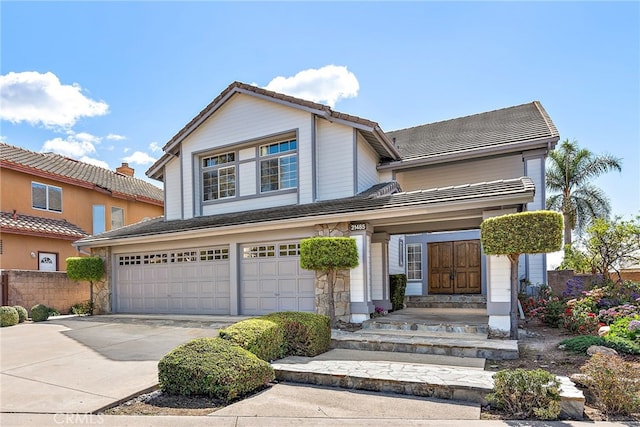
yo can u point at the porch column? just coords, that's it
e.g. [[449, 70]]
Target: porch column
[[498, 277], [360, 277], [380, 292]]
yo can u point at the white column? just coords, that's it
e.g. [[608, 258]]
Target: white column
[[360, 278]]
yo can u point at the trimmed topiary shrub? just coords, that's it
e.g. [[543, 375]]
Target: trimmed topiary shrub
[[8, 316], [22, 313], [614, 383], [306, 334], [86, 268], [398, 286], [39, 313], [264, 338], [213, 367], [526, 394]]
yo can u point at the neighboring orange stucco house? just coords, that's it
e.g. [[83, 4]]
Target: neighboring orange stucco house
[[47, 201]]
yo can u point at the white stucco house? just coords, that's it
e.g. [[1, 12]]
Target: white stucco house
[[257, 171]]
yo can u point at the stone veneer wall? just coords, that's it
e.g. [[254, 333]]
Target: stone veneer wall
[[51, 288], [102, 290], [341, 294]]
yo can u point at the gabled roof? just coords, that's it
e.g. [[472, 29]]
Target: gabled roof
[[64, 169], [381, 197], [522, 126], [369, 129], [38, 226]]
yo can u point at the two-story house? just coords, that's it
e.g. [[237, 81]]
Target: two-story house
[[257, 171], [48, 201]]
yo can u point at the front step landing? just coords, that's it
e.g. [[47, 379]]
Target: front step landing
[[459, 345]]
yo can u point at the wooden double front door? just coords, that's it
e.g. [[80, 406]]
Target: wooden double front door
[[454, 267]]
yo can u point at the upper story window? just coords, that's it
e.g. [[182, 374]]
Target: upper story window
[[219, 176], [46, 197], [278, 166], [117, 217], [99, 219]]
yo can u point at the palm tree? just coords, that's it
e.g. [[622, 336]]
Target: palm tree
[[569, 172]]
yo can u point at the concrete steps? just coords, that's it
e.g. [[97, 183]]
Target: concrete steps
[[446, 301]]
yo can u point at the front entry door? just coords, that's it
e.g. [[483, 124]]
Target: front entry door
[[454, 267]]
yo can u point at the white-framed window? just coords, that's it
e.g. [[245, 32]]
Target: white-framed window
[[414, 261], [262, 251], [117, 217], [46, 197], [278, 165], [218, 176]]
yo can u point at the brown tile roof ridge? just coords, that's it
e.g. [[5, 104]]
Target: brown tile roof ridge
[[74, 171], [35, 225]]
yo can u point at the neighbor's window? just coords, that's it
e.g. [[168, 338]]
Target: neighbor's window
[[278, 166], [414, 261], [99, 219], [46, 197], [117, 217], [219, 176]]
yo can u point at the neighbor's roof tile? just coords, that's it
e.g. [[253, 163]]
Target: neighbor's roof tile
[[28, 224]]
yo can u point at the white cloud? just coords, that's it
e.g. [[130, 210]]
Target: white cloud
[[139, 158], [34, 98], [326, 85], [94, 162], [75, 145], [115, 137], [155, 147]]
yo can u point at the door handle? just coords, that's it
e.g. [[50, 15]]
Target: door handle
[[452, 275]]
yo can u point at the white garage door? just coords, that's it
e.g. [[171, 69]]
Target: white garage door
[[272, 279], [194, 281]]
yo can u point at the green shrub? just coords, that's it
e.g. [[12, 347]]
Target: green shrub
[[398, 286], [526, 394], [522, 233], [8, 316], [262, 337], [22, 313], [212, 367], [82, 308], [581, 344], [620, 328], [614, 383], [622, 345], [39, 313], [306, 334]]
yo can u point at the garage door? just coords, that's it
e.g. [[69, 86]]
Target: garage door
[[272, 280], [194, 281]]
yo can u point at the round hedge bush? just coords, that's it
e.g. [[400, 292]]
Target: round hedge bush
[[212, 367], [22, 313], [39, 313], [8, 316]]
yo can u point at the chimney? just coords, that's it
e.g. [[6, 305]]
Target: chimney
[[125, 170]]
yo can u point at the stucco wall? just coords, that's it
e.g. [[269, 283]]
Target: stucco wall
[[53, 289]]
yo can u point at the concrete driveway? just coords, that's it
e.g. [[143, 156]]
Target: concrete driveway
[[82, 364]]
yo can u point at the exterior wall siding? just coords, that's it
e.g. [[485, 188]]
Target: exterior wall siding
[[483, 170], [396, 254], [536, 264], [367, 162], [335, 160], [228, 126], [172, 189]]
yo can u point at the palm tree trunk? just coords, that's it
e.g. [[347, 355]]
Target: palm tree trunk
[[567, 229]]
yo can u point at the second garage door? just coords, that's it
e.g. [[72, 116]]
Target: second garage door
[[272, 280]]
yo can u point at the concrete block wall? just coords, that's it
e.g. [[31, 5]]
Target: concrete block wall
[[51, 288]]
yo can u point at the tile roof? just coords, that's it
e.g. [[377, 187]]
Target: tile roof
[[378, 197], [497, 128], [65, 169], [35, 225]]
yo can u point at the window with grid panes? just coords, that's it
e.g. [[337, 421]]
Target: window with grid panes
[[278, 166], [218, 176]]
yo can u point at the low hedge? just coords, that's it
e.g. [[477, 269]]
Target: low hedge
[[40, 312], [8, 316], [212, 367], [262, 337], [306, 334], [22, 313]]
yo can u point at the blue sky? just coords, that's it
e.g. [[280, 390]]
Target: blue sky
[[109, 82]]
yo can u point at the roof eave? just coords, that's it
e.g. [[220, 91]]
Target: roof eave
[[514, 147]]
